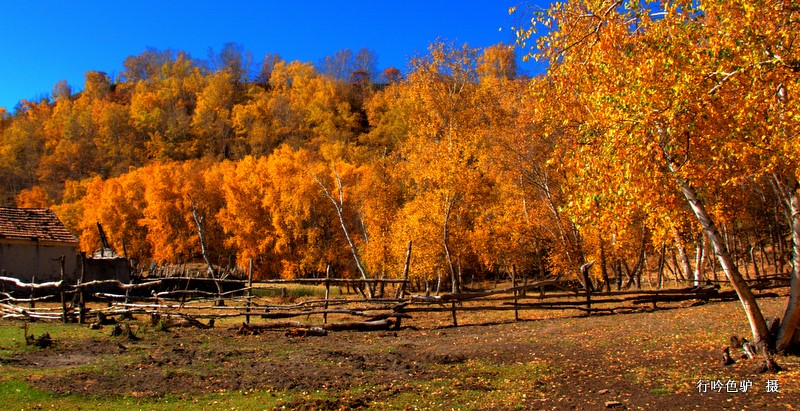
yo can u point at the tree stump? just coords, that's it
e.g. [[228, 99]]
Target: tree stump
[[767, 366], [736, 342], [726, 357]]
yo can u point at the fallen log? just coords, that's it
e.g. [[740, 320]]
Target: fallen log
[[379, 325], [374, 325], [732, 296], [273, 326], [184, 321], [306, 332], [360, 312], [395, 315]]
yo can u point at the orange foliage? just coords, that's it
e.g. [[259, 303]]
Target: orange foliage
[[34, 197], [482, 168]]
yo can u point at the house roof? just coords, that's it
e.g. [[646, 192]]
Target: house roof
[[33, 224]]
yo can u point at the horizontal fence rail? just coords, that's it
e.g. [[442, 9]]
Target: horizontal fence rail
[[215, 298]]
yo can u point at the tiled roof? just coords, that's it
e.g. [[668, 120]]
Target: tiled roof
[[33, 224]]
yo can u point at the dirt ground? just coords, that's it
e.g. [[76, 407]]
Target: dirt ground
[[650, 360]]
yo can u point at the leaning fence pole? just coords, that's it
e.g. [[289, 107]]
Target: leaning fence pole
[[249, 290]]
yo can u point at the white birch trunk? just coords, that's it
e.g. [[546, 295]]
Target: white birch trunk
[[758, 325], [791, 318], [339, 206]]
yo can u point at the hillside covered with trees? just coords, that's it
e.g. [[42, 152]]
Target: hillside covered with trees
[[661, 139]]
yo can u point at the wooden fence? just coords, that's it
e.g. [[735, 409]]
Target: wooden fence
[[236, 299]]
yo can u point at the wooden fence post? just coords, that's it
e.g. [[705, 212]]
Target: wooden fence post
[[249, 290], [514, 286], [327, 292], [61, 292], [588, 284], [33, 292], [81, 290], [588, 303]]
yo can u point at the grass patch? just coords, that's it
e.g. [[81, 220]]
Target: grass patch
[[12, 335], [474, 384], [20, 395], [16, 393]]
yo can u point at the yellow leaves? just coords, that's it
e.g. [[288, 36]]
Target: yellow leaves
[[211, 119], [643, 95], [245, 217], [460, 154], [498, 61]]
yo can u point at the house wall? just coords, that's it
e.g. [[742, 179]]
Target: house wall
[[26, 259]]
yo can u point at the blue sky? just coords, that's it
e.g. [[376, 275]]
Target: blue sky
[[48, 41]]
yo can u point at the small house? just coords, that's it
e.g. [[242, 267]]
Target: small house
[[106, 264], [32, 244]]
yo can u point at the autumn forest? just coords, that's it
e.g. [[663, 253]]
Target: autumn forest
[[646, 112]]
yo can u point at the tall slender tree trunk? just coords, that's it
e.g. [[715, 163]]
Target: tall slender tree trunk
[[754, 261], [641, 262], [339, 206], [788, 334], [570, 236], [677, 274], [669, 267], [680, 245], [604, 269], [743, 258], [758, 325], [662, 261], [762, 259], [200, 221], [712, 262], [456, 286], [699, 260]]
